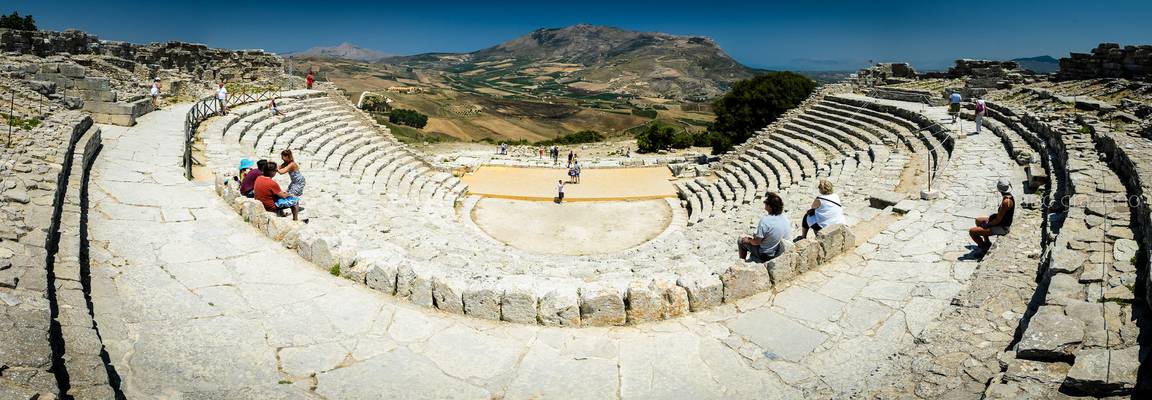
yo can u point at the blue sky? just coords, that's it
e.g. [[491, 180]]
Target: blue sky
[[794, 34]]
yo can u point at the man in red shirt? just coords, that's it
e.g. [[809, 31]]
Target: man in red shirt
[[310, 79], [269, 193]]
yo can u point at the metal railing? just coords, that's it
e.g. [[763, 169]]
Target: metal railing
[[934, 159], [208, 106]]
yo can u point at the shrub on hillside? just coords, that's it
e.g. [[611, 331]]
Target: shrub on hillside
[[408, 117], [682, 140], [755, 103], [585, 136], [646, 113], [15, 21]]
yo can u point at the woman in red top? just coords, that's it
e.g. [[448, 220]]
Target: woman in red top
[[310, 79]]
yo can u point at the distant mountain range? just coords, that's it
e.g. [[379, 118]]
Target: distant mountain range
[[344, 51], [581, 58], [1040, 65]]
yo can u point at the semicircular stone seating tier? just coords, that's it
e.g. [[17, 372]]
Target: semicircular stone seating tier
[[384, 217]]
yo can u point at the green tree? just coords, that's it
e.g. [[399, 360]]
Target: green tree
[[411, 118], [15, 21], [654, 138], [755, 103], [720, 143]]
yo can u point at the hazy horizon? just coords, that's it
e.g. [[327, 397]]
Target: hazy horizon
[[831, 36]]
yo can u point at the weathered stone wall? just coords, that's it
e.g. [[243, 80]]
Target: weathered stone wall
[[30, 202], [1109, 60], [196, 59]]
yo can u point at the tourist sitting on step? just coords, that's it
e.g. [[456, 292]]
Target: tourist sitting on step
[[296, 187], [826, 210], [248, 179], [765, 244], [996, 224], [270, 194], [275, 109]]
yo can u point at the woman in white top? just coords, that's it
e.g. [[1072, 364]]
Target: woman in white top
[[826, 210]]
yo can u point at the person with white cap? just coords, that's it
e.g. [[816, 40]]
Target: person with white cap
[[996, 224]]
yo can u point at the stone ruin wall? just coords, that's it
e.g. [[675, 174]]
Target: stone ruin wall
[[202, 62], [111, 79], [1109, 60]]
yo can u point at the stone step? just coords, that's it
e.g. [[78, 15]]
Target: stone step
[[814, 117], [834, 136], [289, 136]]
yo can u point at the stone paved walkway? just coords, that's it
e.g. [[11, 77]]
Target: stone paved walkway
[[194, 303]]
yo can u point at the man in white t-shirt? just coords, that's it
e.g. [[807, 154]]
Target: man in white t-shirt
[[559, 191], [222, 99], [155, 93]]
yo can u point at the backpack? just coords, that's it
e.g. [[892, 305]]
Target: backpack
[[980, 107]]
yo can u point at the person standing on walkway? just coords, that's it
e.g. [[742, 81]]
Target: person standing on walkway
[[571, 154], [155, 93], [576, 169], [296, 187], [981, 108], [309, 80], [766, 243], [954, 106], [560, 191], [222, 99]]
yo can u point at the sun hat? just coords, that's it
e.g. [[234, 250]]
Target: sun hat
[[246, 163], [1003, 185]]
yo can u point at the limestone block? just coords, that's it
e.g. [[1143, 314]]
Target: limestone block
[[448, 294], [1063, 288], [421, 288], [560, 307], [704, 290], [745, 279], [787, 266], [322, 252], [1051, 335], [1066, 261], [601, 304], [645, 302], [1124, 250], [276, 227], [849, 242], [831, 241], [675, 297], [808, 254], [1104, 372], [518, 303], [290, 234], [482, 300], [259, 218], [405, 279], [381, 275]]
